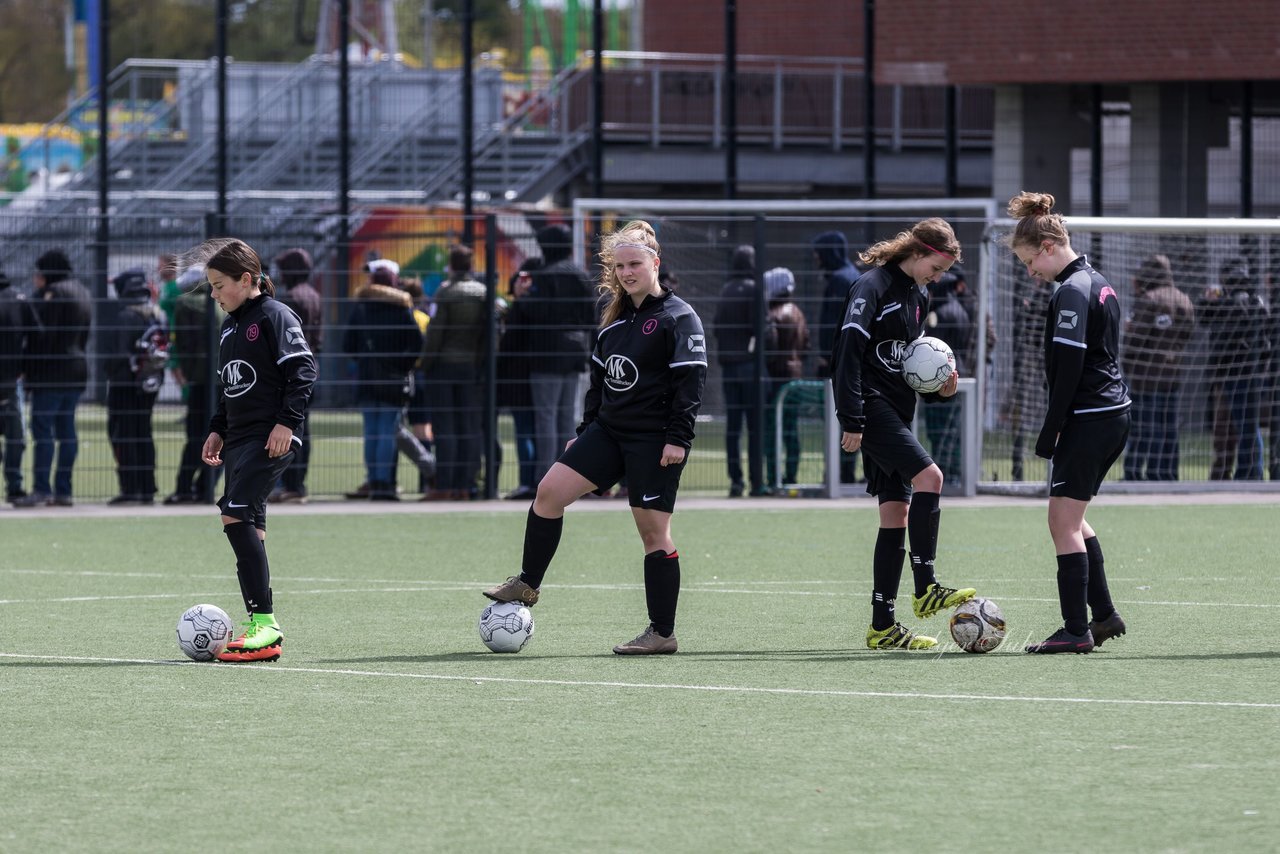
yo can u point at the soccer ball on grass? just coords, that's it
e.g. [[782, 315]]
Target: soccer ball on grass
[[927, 364], [506, 626], [204, 631], [977, 625]]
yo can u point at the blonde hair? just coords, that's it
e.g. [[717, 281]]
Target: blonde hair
[[635, 233], [1036, 221], [933, 236]]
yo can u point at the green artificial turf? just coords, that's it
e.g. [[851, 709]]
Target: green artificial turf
[[387, 726]]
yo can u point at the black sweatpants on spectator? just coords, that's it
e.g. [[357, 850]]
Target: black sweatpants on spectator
[[129, 429]]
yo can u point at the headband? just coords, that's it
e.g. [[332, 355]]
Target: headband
[[936, 251], [637, 246]]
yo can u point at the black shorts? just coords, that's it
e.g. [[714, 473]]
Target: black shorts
[[1085, 452], [604, 458], [891, 453], [251, 475]]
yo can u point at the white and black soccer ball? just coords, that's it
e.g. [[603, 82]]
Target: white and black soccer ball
[[977, 625], [506, 626], [927, 364], [204, 631]]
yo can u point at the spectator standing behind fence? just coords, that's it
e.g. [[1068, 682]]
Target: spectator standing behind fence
[[950, 321], [831, 252], [1157, 332], [1272, 389], [190, 347], [134, 342], [56, 371], [167, 299], [559, 312], [13, 337], [786, 346], [294, 268], [735, 330], [1240, 351], [513, 381], [452, 355], [383, 339], [414, 438]]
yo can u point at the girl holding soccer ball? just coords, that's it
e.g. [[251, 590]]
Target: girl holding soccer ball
[[1087, 424], [884, 311]]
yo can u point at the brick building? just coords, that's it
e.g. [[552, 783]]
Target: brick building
[[1158, 88]]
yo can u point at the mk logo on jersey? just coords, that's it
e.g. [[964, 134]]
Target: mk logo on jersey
[[697, 344], [238, 376], [620, 373], [890, 354], [1068, 319]]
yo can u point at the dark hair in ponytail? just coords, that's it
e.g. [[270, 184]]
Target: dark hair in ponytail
[[234, 258]]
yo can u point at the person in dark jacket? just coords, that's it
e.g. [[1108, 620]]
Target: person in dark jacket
[[383, 339], [735, 331], [786, 348], [452, 356], [1239, 351], [266, 375], [294, 266], [950, 322], [56, 370], [513, 381], [135, 348], [648, 371], [839, 272], [559, 312], [190, 349], [13, 338], [885, 310], [1086, 424], [1159, 329]]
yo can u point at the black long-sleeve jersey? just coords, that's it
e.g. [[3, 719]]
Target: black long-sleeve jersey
[[266, 371], [885, 311], [1081, 352], [648, 370]]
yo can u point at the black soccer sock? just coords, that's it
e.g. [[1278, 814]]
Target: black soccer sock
[[1099, 594], [251, 567], [662, 590], [886, 575], [541, 539], [922, 528], [1073, 584]]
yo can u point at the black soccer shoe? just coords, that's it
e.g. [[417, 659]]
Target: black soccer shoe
[[1063, 641], [1104, 630]]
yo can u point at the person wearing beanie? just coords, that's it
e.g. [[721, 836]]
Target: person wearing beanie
[[786, 345], [135, 351], [190, 348], [559, 312], [735, 330], [13, 336], [298, 293], [55, 373]]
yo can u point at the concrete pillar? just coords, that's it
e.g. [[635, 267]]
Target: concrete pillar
[[1172, 128], [1036, 127]]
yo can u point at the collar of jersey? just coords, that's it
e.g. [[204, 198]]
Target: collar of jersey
[[248, 304]]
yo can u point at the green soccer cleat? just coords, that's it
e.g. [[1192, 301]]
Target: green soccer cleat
[[897, 637], [938, 598], [261, 641]]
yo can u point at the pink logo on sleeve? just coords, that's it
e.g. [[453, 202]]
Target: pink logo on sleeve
[[1106, 292]]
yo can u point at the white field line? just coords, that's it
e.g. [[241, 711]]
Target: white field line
[[658, 686], [430, 586]]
